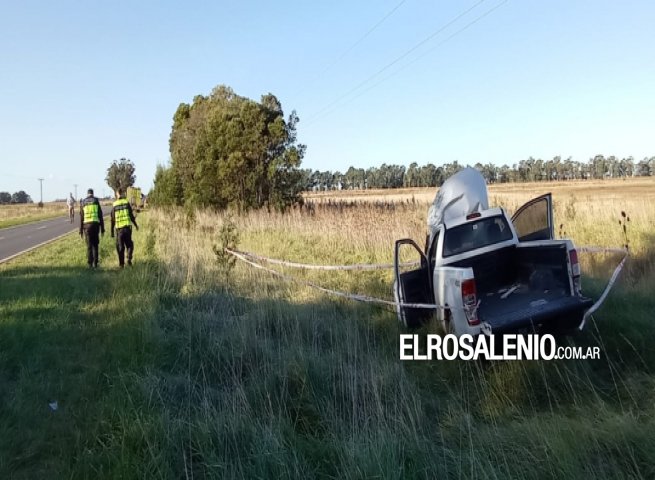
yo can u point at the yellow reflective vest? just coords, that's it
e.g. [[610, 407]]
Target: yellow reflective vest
[[121, 213], [91, 211]]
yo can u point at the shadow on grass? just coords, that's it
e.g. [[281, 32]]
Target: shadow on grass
[[274, 387], [153, 382], [65, 336], [132, 366]]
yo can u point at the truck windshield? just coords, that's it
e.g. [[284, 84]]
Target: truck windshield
[[478, 234]]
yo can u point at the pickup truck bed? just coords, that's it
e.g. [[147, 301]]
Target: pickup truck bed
[[524, 286], [528, 308]]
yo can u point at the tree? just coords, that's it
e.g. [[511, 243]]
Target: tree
[[5, 197], [644, 167], [21, 197], [306, 178], [429, 176], [228, 150], [167, 190], [412, 178], [355, 178], [120, 174]]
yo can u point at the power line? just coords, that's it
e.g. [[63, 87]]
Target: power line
[[396, 60], [350, 48], [371, 30], [403, 67]]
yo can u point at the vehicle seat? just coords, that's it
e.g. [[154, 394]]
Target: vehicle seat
[[453, 241], [494, 234]]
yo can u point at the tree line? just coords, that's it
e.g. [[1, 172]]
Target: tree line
[[16, 197], [430, 175]]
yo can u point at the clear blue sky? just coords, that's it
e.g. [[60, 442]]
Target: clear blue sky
[[84, 83]]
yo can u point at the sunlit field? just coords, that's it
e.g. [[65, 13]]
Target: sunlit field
[[580, 189], [342, 227], [588, 212], [18, 214], [184, 367]]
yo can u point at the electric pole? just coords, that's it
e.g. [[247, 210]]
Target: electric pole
[[41, 184]]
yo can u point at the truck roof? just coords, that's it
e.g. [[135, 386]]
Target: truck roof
[[461, 194]]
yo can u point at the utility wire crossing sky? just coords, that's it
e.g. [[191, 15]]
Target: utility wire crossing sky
[[372, 82]]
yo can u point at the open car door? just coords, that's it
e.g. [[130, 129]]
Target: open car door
[[412, 286], [534, 220]]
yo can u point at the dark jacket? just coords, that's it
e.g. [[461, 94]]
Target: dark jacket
[[88, 200]]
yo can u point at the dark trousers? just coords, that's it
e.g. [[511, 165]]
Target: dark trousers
[[124, 242], [91, 235]]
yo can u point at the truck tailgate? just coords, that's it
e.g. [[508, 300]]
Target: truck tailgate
[[511, 314]]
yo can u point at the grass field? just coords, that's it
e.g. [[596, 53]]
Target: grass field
[[583, 190], [12, 215], [179, 369]]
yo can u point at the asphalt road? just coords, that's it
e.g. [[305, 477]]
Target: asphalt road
[[22, 238]]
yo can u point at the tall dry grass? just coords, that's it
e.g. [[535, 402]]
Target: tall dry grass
[[338, 231], [267, 378]]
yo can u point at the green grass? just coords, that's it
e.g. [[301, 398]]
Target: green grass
[[78, 337], [164, 371]]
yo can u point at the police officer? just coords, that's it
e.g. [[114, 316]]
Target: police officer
[[91, 223], [122, 219]]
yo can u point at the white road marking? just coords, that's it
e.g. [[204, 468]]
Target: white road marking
[[3, 260], [41, 228], [27, 224], [2, 238]]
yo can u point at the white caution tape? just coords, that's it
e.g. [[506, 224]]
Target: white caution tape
[[611, 282], [308, 266], [601, 250], [248, 258], [338, 293]]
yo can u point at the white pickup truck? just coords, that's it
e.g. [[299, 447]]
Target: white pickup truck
[[490, 272]]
